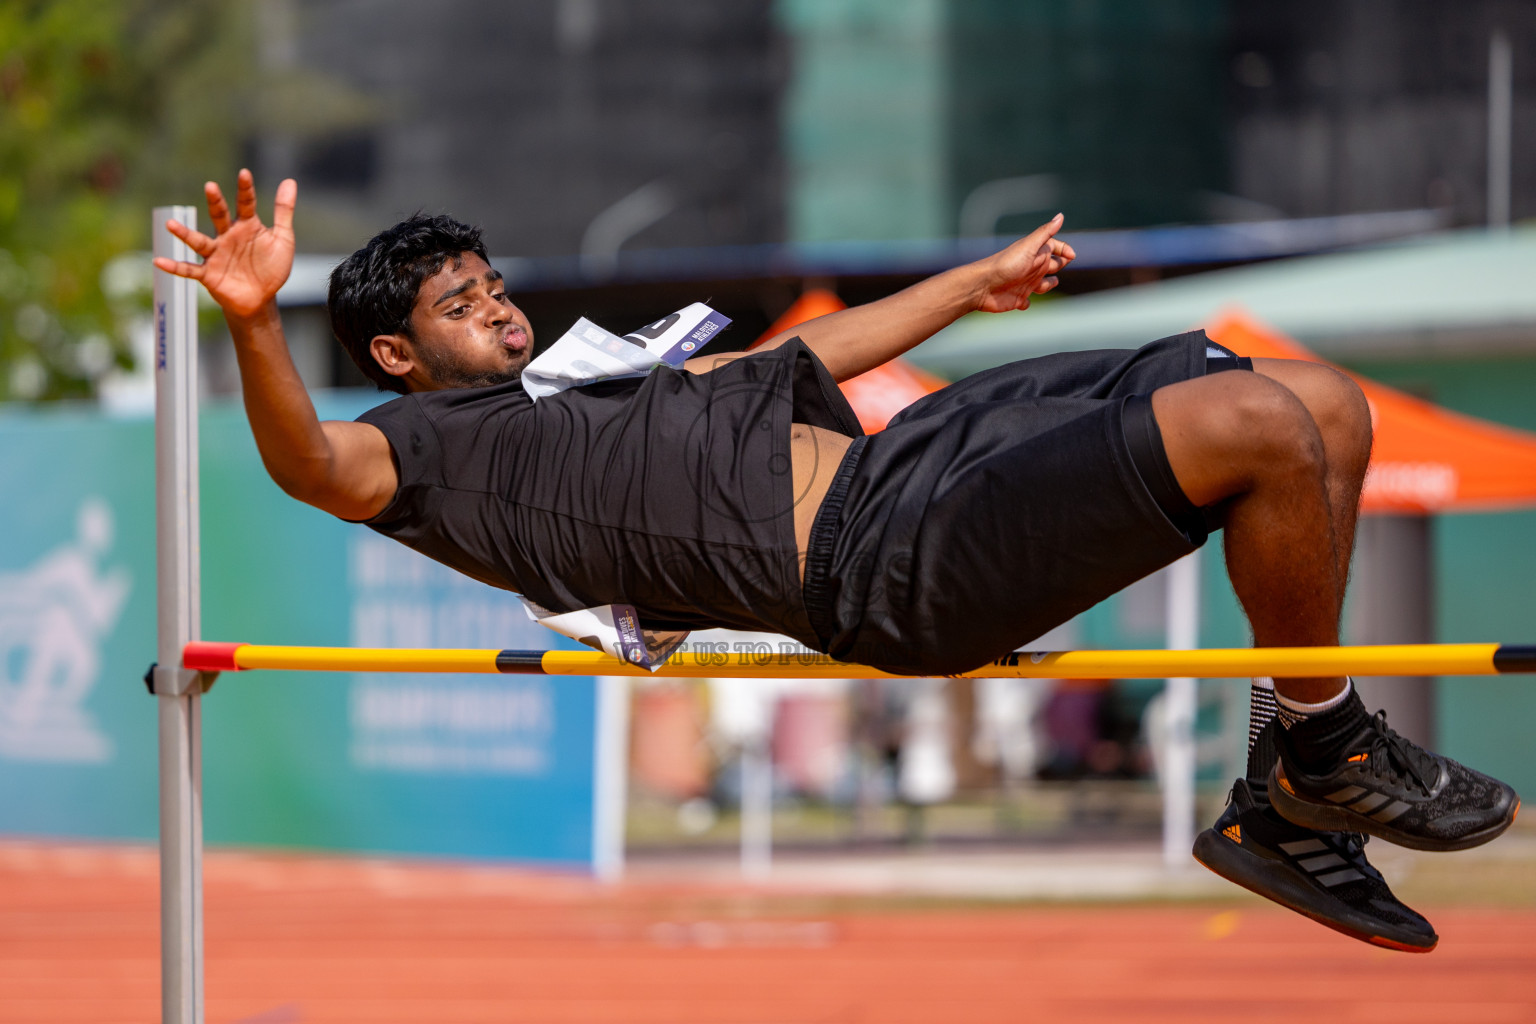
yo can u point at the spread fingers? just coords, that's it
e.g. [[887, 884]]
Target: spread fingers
[[218, 209], [180, 268], [245, 196], [282, 209], [196, 240]]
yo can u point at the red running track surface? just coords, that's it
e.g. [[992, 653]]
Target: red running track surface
[[295, 939]]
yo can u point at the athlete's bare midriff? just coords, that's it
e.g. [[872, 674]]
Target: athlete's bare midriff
[[814, 454]]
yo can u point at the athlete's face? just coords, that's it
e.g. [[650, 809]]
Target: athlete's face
[[466, 333]]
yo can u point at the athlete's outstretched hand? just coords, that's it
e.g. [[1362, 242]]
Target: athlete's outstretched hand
[[246, 262], [1027, 267]]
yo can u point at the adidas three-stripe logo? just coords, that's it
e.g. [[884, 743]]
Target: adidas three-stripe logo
[[1314, 857], [1370, 803]]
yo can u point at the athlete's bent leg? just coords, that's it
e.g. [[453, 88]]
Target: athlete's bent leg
[[1247, 441], [1257, 445], [1343, 417]]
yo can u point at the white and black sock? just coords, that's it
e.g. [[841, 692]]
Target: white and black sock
[[1262, 748]]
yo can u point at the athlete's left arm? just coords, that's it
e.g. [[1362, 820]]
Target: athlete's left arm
[[852, 341], [703, 364]]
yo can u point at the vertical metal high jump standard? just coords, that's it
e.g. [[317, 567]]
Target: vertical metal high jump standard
[[178, 691]]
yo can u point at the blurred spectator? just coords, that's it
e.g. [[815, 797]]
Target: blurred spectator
[[667, 754], [1094, 729], [926, 772], [810, 742], [1009, 732]]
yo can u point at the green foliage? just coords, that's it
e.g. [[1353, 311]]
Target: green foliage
[[108, 107]]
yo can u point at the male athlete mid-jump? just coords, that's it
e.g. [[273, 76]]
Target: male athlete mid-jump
[[740, 492]]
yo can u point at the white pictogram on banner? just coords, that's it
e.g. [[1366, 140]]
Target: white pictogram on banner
[[53, 619]]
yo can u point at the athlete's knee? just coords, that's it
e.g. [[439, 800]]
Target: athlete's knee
[[1264, 424], [1226, 433], [1343, 414], [1333, 399]]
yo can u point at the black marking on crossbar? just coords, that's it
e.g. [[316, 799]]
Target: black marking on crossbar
[[1017, 658], [520, 662], [1514, 658]]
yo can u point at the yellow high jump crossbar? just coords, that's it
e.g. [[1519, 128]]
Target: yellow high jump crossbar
[[756, 662]]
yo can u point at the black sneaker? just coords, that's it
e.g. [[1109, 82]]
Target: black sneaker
[[1322, 875], [1396, 790]]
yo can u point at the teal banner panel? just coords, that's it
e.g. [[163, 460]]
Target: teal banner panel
[[77, 625], [480, 766]]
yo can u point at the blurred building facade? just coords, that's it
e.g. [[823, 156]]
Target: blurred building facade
[[904, 116], [533, 118], [565, 125], [715, 144], [1365, 105]]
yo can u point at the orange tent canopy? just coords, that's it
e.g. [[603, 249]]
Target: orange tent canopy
[[1425, 458], [876, 396]]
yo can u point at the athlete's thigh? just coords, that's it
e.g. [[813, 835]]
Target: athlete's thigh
[[1000, 526]]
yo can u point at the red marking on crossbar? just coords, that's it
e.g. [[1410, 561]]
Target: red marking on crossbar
[[208, 656]]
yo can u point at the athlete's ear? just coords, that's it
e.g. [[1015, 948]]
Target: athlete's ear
[[393, 353]]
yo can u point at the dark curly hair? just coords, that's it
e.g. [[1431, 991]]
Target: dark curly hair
[[373, 291]]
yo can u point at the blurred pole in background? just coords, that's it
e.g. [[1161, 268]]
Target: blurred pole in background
[[991, 201], [756, 808], [1179, 762], [611, 769], [618, 223], [1394, 603], [1500, 116]]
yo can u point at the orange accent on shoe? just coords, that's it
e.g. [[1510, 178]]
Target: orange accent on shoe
[[1234, 833], [1359, 757], [1377, 940]]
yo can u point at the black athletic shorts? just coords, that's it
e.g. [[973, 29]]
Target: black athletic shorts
[[1001, 506]]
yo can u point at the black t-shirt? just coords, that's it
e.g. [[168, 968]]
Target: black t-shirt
[[670, 492]]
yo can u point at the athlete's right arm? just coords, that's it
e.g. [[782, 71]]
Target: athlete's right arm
[[346, 469]]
